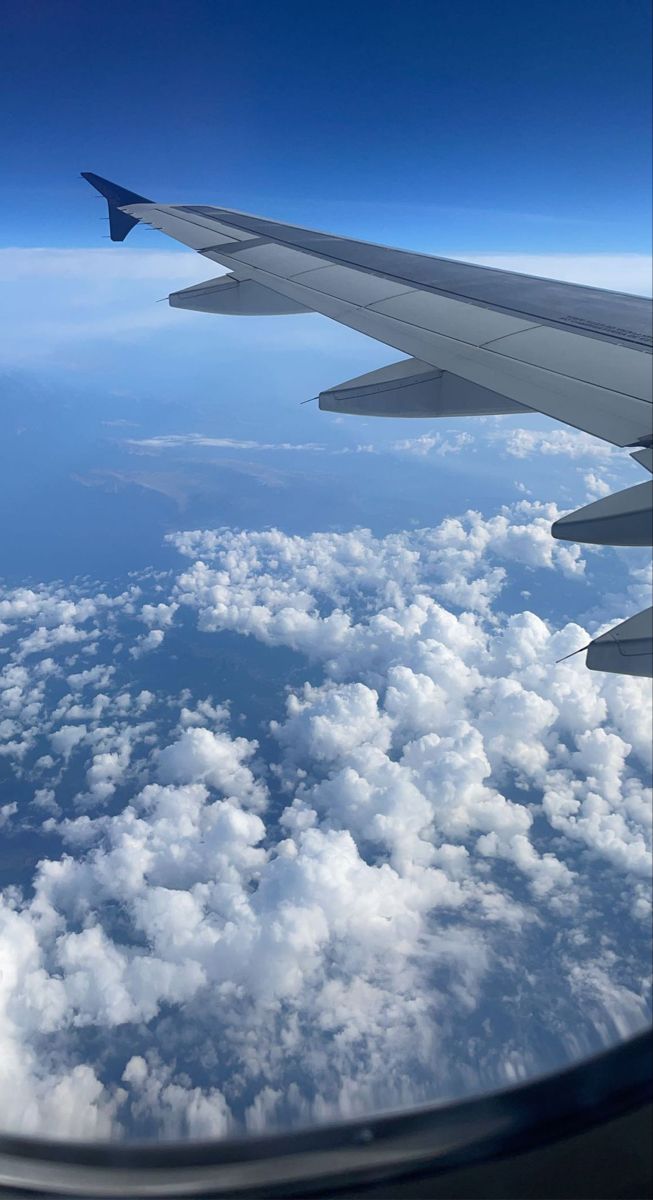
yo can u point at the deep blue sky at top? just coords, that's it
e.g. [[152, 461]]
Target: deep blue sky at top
[[468, 125]]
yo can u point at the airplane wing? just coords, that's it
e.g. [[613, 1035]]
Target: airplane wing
[[480, 340]]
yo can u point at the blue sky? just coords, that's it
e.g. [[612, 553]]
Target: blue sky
[[302, 815], [436, 125]]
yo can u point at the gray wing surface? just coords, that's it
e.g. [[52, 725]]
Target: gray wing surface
[[479, 340]]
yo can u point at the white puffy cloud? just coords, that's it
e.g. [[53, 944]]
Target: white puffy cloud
[[326, 723], [158, 616], [216, 760], [596, 486], [64, 739], [36, 1096], [174, 1108], [104, 984], [203, 713], [7, 811], [94, 677], [570, 443], [106, 772], [147, 642]]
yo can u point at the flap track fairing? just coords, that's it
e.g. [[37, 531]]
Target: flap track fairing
[[234, 297], [627, 649], [411, 388], [623, 519]]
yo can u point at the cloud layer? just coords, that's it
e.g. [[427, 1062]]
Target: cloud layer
[[427, 875], [59, 299]]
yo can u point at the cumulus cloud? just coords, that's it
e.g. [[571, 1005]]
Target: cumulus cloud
[[96, 677], [7, 811], [362, 905], [158, 616], [147, 642], [596, 486], [570, 443], [64, 739], [171, 1106], [214, 759]]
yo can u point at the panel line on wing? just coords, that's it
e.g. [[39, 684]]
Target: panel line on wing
[[250, 244]]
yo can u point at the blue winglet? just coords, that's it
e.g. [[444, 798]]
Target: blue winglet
[[120, 223]]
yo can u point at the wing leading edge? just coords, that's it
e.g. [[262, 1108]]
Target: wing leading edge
[[480, 341]]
